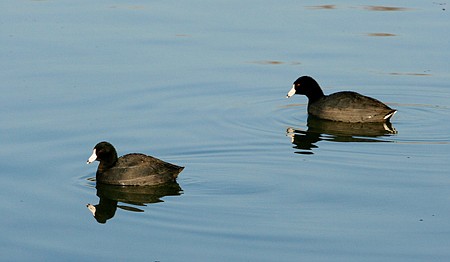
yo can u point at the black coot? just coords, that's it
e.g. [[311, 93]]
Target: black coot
[[131, 169], [343, 106]]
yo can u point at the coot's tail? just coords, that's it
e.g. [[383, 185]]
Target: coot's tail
[[390, 114]]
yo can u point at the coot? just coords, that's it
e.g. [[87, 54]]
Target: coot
[[132, 169], [346, 106]]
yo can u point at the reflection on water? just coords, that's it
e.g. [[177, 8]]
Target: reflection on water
[[319, 129], [322, 7], [381, 34], [385, 8], [409, 74], [370, 8], [111, 195], [273, 62], [424, 73]]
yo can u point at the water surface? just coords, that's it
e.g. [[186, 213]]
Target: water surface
[[203, 85]]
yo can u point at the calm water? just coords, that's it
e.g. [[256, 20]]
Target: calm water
[[203, 85]]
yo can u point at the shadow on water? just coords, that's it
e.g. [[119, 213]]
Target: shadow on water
[[111, 195], [319, 130]]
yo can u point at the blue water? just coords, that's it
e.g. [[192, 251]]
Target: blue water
[[203, 85]]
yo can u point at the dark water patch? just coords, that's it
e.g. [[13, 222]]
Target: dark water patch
[[385, 8], [370, 8], [322, 7], [273, 62], [381, 34], [409, 74]]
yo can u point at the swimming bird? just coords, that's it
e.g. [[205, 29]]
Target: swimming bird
[[132, 169], [345, 106]]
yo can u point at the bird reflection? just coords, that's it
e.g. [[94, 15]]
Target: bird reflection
[[319, 129], [111, 195]]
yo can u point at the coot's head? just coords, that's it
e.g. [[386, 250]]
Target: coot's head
[[306, 85], [105, 153]]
